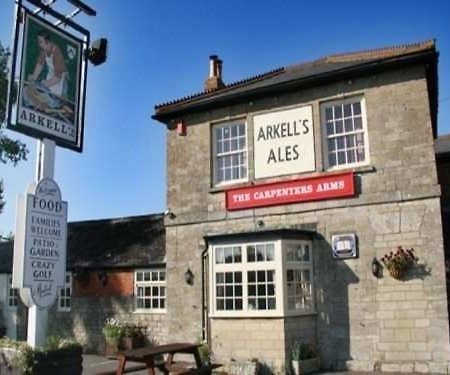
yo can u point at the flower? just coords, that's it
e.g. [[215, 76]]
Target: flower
[[399, 261], [112, 330]]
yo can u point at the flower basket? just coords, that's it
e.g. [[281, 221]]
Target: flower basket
[[113, 331], [399, 262], [304, 358]]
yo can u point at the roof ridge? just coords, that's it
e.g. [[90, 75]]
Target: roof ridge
[[116, 220], [384, 51]]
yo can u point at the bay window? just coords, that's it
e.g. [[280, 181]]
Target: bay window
[[261, 278]]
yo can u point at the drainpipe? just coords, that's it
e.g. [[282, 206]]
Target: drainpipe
[[205, 330]]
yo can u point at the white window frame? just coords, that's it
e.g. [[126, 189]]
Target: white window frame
[[304, 265], [159, 284], [279, 265], [215, 166], [65, 294], [12, 295], [326, 104]]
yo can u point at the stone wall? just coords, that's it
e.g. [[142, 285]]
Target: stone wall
[[92, 303], [361, 322], [243, 340]]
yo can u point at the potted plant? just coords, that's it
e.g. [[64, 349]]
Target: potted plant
[[304, 358], [113, 331], [399, 262], [2, 324], [132, 337]]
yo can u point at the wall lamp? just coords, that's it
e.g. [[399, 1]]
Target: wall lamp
[[189, 277], [102, 277], [376, 268], [168, 213]]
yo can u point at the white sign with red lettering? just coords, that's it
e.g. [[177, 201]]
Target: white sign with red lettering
[[40, 248]]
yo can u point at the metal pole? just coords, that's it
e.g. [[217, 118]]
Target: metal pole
[[38, 318]]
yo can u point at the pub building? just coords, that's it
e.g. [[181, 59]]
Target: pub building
[[285, 190]]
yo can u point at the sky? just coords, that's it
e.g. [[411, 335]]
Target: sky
[[159, 50]]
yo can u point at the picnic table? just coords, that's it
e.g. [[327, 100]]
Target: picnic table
[[151, 357]]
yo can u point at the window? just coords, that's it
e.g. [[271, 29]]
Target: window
[[299, 276], [150, 290], [64, 296], [230, 152], [245, 277], [13, 294], [270, 278], [345, 133]]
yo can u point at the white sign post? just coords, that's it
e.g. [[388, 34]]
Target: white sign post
[[40, 245]]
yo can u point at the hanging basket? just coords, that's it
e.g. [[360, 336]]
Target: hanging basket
[[397, 272]]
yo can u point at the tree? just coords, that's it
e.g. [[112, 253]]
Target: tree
[[10, 150]]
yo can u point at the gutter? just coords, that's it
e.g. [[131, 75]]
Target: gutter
[[205, 328]]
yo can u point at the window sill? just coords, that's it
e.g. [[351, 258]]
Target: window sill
[[366, 168], [150, 312], [229, 186], [250, 315]]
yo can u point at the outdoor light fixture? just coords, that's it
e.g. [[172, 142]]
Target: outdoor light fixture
[[97, 53], [189, 277], [376, 268], [169, 214], [102, 277]]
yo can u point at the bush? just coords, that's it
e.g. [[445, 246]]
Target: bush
[[66, 357]]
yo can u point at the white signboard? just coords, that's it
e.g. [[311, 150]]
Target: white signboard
[[284, 142], [40, 247]]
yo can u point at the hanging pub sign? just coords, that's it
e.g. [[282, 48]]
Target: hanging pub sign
[[50, 84], [40, 244], [284, 142], [295, 191]]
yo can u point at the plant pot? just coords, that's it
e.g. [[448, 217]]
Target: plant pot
[[126, 343], [306, 366], [111, 349]]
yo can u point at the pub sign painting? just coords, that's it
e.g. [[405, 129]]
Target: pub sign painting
[[49, 90], [284, 142]]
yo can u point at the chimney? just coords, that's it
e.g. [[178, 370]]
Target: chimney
[[214, 80]]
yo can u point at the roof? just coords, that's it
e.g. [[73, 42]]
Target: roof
[[442, 145], [137, 241], [330, 67]]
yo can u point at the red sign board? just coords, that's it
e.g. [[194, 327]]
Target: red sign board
[[304, 190]]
